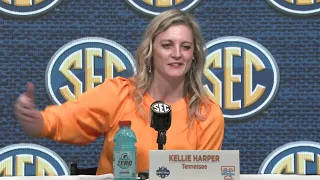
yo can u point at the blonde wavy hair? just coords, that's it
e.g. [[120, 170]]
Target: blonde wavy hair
[[193, 88]]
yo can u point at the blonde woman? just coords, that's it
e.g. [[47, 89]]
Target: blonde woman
[[169, 64]]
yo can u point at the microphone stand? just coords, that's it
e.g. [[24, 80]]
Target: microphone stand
[[161, 140]]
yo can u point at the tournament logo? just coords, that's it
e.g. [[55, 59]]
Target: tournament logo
[[240, 75], [228, 172], [155, 7], [302, 157], [163, 172], [27, 7], [297, 7], [83, 64], [31, 160]]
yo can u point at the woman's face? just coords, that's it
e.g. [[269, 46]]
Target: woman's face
[[173, 52]]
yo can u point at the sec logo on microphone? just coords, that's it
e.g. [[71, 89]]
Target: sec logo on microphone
[[155, 7], [31, 160], [297, 7], [84, 63], [160, 107], [302, 157], [25, 8], [240, 75]]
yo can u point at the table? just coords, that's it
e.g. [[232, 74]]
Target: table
[[110, 177]]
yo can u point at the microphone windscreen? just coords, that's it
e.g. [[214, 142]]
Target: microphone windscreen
[[160, 114]]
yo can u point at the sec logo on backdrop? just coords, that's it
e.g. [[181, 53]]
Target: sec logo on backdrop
[[240, 75], [84, 63], [302, 157], [31, 160], [27, 7], [155, 7], [297, 7]]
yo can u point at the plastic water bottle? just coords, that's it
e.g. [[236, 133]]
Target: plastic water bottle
[[124, 153]]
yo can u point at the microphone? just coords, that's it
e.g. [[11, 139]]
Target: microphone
[[160, 114]]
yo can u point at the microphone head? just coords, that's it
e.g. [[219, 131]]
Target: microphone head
[[160, 114]]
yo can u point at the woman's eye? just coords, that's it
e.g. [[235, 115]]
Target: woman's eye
[[166, 46], [186, 47]]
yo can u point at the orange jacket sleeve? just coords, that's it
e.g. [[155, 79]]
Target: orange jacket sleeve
[[83, 120], [211, 130]]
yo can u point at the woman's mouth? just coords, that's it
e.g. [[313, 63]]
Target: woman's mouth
[[175, 65]]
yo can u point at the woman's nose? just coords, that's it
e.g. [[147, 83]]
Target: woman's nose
[[176, 52]]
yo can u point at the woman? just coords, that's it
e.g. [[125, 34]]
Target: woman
[[170, 61]]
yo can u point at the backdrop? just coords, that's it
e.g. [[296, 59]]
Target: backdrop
[[273, 107]]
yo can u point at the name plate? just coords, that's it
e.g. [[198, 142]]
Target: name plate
[[194, 164]]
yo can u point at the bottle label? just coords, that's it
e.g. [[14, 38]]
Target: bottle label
[[124, 165]]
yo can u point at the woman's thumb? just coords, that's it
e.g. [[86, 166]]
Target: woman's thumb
[[30, 90]]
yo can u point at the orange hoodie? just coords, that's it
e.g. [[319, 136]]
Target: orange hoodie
[[98, 110]]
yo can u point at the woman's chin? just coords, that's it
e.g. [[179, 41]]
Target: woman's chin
[[176, 75]]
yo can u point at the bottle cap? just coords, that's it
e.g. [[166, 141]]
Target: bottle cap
[[125, 123]]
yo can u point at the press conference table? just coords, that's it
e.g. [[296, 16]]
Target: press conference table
[[109, 177]]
